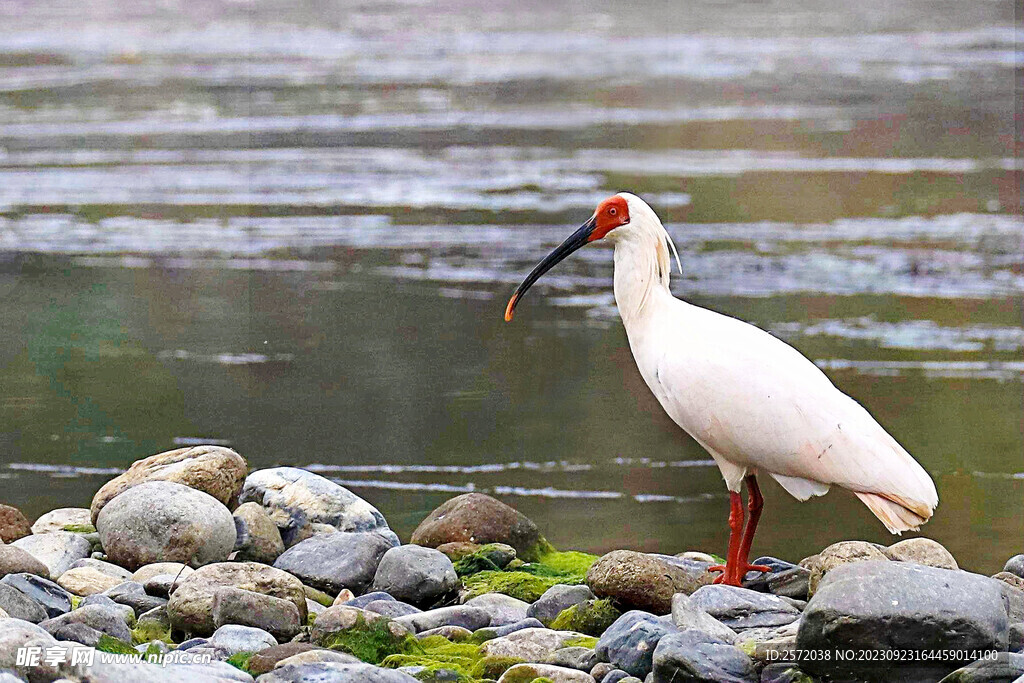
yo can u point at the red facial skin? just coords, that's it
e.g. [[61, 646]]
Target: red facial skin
[[610, 214]]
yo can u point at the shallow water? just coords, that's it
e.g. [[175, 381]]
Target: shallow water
[[291, 228]]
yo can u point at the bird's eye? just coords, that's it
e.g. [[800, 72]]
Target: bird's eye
[[612, 211]]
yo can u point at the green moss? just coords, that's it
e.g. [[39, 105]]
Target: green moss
[[372, 642], [310, 619], [471, 564], [528, 581], [150, 630], [481, 636], [240, 660], [493, 667], [437, 652], [110, 644], [75, 601], [592, 617], [79, 528], [582, 641], [748, 647], [525, 674], [318, 596]]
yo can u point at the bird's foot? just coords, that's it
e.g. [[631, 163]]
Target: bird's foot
[[733, 575]]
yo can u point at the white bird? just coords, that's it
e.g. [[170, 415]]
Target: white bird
[[751, 400]]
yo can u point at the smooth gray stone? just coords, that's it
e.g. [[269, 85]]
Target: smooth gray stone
[[391, 608], [333, 672], [504, 609], [686, 614], [1015, 565], [742, 608], [331, 562], [557, 599], [695, 656], [579, 658], [54, 599], [529, 622], [1005, 668], [126, 612], [20, 606], [416, 575], [629, 643], [100, 618], [367, 598], [58, 550], [471, 618], [234, 639]]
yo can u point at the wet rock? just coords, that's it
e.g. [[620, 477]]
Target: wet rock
[[1004, 668], [414, 574], [87, 581], [922, 551], [1015, 565], [576, 657], [557, 599], [645, 582], [57, 550], [277, 616], [556, 674], [696, 656], [686, 614], [14, 560], [294, 498], [13, 524], [479, 518], [897, 605], [79, 519], [374, 635], [741, 608], [839, 554], [19, 606], [503, 609], [103, 567], [629, 643], [332, 562], [391, 608], [530, 645], [267, 659], [162, 521], [94, 616], [53, 598], [471, 618], [213, 470], [785, 579], [257, 537], [234, 638], [191, 605], [334, 672]]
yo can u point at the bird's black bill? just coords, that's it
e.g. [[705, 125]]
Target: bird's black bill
[[572, 243]]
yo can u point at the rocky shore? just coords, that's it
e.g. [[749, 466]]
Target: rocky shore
[[210, 572]]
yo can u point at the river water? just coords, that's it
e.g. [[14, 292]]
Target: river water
[[292, 227]]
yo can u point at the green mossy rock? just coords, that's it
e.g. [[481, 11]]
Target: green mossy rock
[[111, 644], [592, 617], [528, 581], [370, 641], [240, 660]]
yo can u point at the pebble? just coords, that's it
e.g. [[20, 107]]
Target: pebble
[[234, 638], [529, 622], [56, 520], [643, 581], [922, 551], [686, 615], [479, 518], [557, 674], [257, 537], [57, 550], [214, 470], [104, 567], [503, 609], [87, 581], [148, 571], [576, 657], [277, 616], [557, 599], [13, 524], [838, 554], [17, 605], [14, 560], [414, 574], [101, 618], [162, 521], [741, 608], [629, 643], [294, 498], [335, 672], [531, 644], [332, 562], [692, 655], [54, 599], [471, 618], [391, 608], [1015, 565]]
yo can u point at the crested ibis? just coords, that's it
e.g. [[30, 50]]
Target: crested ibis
[[751, 400]]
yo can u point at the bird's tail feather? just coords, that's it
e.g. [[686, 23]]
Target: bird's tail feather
[[896, 513]]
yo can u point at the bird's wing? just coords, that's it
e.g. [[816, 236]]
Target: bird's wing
[[756, 402]]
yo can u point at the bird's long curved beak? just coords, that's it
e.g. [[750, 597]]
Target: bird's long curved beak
[[572, 243]]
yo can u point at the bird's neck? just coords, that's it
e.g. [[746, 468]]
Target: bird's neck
[[642, 268]]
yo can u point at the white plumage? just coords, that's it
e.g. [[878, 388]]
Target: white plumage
[[751, 400]]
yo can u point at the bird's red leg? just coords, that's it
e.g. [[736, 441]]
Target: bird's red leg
[[754, 504], [735, 538]]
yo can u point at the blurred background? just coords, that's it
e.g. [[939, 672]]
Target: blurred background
[[292, 227]]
